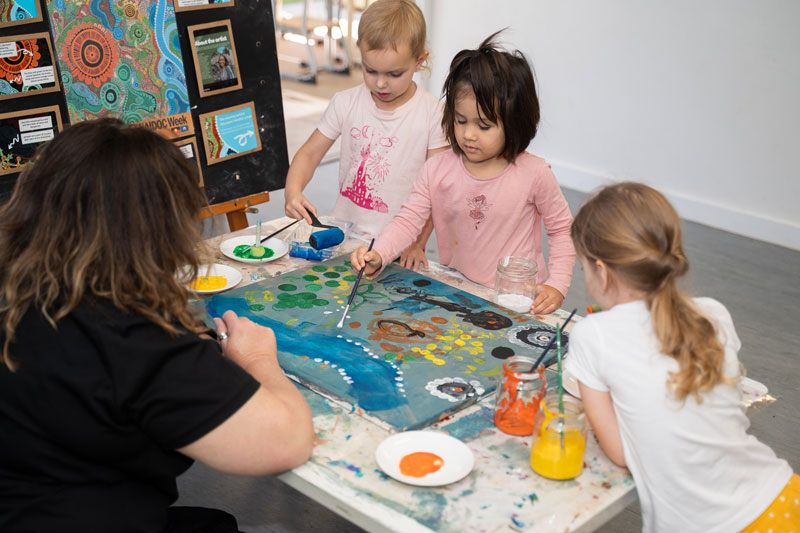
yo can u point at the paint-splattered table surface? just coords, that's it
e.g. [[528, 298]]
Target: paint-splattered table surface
[[501, 493]]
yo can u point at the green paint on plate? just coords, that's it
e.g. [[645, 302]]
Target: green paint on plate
[[239, 251]]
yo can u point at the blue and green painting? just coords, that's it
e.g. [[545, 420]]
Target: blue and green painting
[[412, 351]]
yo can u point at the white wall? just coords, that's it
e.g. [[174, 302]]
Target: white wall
[[698, 99]]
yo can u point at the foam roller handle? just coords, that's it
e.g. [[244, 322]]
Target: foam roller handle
[[319, 240]]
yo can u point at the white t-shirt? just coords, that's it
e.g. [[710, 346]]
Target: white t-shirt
[[695, 467], [381, 153]]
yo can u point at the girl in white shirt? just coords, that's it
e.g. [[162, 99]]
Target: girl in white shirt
[[658, 374]]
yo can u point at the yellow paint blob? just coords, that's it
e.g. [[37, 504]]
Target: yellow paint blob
[[435, 360], [459, 342], [430, 347], [420, 464], [550, 460], [209, 283]]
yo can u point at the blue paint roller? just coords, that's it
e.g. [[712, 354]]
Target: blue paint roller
[[319, 240]]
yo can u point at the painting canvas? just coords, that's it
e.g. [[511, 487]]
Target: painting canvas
[[121, 59], [413, 351], [13, 12]]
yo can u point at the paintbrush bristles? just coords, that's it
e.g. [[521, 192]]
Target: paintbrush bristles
[[344, 315]]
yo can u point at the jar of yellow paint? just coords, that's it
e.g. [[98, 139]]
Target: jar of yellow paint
[[559, 440]]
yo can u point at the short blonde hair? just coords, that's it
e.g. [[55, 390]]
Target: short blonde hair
[[389, 23]]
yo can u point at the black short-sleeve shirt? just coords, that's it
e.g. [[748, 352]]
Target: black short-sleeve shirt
[[90, 420]]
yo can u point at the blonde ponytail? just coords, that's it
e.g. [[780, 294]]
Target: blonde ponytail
[[635, 231]]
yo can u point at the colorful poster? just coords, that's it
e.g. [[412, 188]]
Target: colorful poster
[[188, 148], [14, 12], [230, 132], [189, 5], [26, 66], [22, 132], [121, 59], [215, 61]]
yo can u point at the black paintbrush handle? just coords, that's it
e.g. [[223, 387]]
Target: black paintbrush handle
[[287, 226], [358, 279], [550, 344]]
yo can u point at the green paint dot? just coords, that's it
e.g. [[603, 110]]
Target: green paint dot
[[319, 268], [389, 356], [310, 277], [348, 264], [287, 287], [351, 277], [341, 268], [320, 303], [284, 296], [305, 304], [332, 283], [256, 307], [307, 296], [314, 287], [331, 275]]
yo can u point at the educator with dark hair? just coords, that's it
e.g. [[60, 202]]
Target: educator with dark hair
[[109, 387]]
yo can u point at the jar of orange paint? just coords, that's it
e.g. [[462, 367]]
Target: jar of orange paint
[[519, 395], [559, 437]]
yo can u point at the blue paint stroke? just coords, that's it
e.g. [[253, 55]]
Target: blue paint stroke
[[374, 384], [516, 521], [471, 426], [344, 464]]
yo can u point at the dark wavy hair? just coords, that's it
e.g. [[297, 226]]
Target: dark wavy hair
[[503, 85], [107, 210]]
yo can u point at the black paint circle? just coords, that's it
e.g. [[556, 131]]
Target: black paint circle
[[502, 352], [422, 282]]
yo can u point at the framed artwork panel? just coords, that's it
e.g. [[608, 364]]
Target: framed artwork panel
[[22, 132], [215, 61], [191, 5], [27, 66], [230, 132], [188, 148], [14, 12]]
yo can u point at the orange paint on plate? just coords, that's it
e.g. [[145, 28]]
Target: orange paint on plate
[[420, 464]]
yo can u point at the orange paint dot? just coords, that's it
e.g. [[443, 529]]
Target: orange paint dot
[[390, 347], [355, 324], [419, 464], [438, 320], [377, 313]]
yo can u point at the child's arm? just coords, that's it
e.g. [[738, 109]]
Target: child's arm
[[301, 171], [603, 419]]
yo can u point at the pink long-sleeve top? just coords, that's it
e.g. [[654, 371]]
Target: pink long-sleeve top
[[478, 221]]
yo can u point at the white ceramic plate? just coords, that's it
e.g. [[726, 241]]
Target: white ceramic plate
[[277, 246], [457, 457], [231, 275]]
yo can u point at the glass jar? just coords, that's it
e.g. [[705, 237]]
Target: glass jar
[[519, 395], [559, 440], [515, 283]]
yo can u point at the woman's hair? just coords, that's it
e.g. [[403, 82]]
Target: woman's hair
[[636, 232], [107, 210], [503, 85], [391, 23]]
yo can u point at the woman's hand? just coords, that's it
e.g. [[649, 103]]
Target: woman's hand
[[243, 341], [548, 299]]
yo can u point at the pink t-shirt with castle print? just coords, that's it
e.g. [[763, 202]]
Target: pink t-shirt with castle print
[[479, 221], [382, 152]]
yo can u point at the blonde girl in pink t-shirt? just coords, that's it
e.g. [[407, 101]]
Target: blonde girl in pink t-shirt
[[388, 125], [487, 196]]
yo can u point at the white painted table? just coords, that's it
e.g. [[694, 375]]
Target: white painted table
[[501, 493]]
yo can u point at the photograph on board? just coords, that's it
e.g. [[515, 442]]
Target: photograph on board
[[215, 62], [190, 5], [22, 132], [188, 148], [230, 132], [26, 66], [14, 12]]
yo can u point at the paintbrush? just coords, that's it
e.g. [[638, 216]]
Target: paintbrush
[[355, 287], [271, 235], [550, 344], [560, 388]]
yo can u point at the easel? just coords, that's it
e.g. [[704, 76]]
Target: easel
[[236, 210]]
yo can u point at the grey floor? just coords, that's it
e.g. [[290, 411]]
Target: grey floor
[[758, 282]]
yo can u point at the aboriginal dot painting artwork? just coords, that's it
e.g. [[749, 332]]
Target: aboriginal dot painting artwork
[[412, 351], [120, 59]]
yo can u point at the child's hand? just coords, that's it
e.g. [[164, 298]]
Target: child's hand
[[547, 300], [413, 257], [297, 206], [362, 257]]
